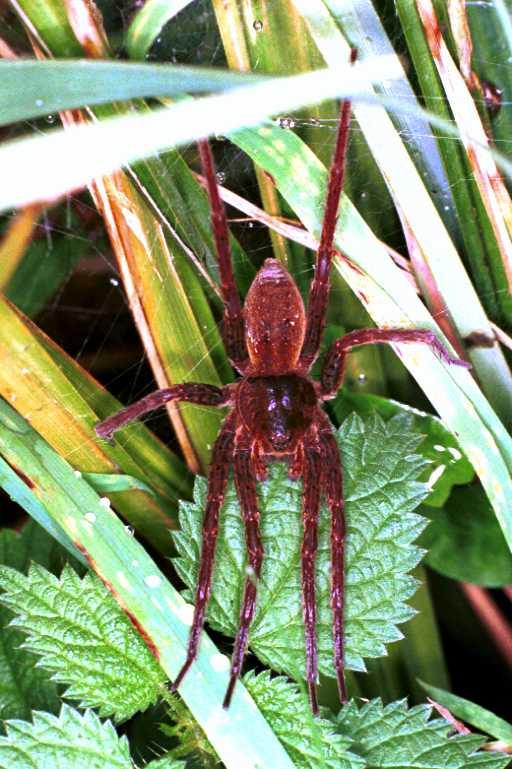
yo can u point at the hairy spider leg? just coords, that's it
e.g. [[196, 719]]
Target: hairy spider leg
[[310, 512], [334, 365], [222, 458], [319, 292], [332, 487], [190, 392], [233, 321], [246, 490]]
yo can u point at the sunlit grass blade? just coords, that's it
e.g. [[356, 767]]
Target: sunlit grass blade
[[168, 304], [491, 31], [241, 738], [14, 484], [172, 190], [391, 301], [48, 25], [163, 312], [65, 415], [251, 35]]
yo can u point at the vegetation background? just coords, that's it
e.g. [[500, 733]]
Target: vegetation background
[[425, 238]]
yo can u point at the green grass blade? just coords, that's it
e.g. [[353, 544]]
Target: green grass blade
[[148, 22], [171, 320], [241, 737], [475, 715], [51, 86], [14, 484], [48, 23]]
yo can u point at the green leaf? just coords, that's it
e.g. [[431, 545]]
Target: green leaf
[[398, 737], [70, 741], [167, 762], [439, 446], [23, 686], [473, 714], [32, 544], [311, 743], [46, 266], [382, 489], [84, 638], [461, 537]]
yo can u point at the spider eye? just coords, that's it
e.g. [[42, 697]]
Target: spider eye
[[280, 441]]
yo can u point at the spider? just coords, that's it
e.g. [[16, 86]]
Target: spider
[[275, 413]]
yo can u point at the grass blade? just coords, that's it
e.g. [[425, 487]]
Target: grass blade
[[51, 86], [479, 717], [65, 417], [30, 167], [148, 22], [242, 738]]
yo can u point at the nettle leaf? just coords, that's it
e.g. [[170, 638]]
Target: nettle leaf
[[84, 639], [70, 741], [167, 762], [23, 686], [462, 534], [447, 465], [311, 743], [381, 472], [398, 737]]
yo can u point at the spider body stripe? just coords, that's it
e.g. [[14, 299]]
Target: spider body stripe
[[275, 413], [275, 320]]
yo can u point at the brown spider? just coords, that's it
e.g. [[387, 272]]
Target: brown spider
[[275, 413]]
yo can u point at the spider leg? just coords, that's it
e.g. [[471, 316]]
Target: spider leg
[[201, 394], [332, 482], [319, 293], [246, 489], [217, 479], [311, 505], [334, 365], [233, 325]]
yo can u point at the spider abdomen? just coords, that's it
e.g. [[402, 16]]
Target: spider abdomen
[[275, 320], [277, 409]]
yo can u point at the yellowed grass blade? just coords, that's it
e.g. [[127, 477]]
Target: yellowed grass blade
[[16, 241]]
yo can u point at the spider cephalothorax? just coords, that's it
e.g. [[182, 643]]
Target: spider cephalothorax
[[275, 413]]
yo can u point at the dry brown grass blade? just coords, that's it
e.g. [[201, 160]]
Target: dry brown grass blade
[[87, 24]]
